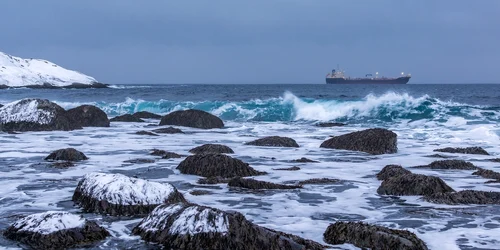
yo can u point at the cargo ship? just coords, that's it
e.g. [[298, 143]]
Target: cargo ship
[[338, 77]]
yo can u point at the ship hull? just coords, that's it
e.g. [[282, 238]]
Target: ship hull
[[399, 80]]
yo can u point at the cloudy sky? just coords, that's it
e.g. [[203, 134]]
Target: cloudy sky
[[258, 41]]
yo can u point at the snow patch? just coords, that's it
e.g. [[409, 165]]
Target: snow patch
[[25, 110], [49, 222]]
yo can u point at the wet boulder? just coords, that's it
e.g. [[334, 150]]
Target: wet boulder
[[294, 168], [330, 124], [126, 118], [391, 171], [117, 194], [146, 115], [212, 165], [489, 174], [88, 116], [169, 130], [213, 180], [189, 226], [274, 141], [249, 183], [55, 230], [192, 118], [212, 149], [374, 141], [143, 132], [468, 150], [319, 181], [305, 160], [140, 161], [35, 115], [367, 236], [413, 184], [450, 164], [158, 152], [67, 154], [171, 155], [465, 197]]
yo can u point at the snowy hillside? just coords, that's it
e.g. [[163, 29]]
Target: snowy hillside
[[37, 73]]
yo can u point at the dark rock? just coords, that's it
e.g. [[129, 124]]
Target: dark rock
[[319, 181], [294, 168], [172, 227], [117, 194], [140, 161], [304, 160], [170, 155], [198, 192], [255, 184], [169, 130], [373, 237], [391, 171], [374, 141], [35, 115], [450, 164], [465, 197], [146, 115], [495, 160], [66, 230], [274, 141], [143, 132], [158, 152], [211, 165], [213, 180], [330, 124], [212, 149], [67, 154], [413, 184], [126, 118], [88, 116], [469, 150], [439, 156], [192, 118], [63, 164], [489, 174]]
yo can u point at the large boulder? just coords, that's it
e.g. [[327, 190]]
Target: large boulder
[[189, 226], [35, 115], [213, 165], [469, 150], [55, 230], [256, 184], [450, 164], [465, 197], [413, 184], [274, 141], [169, 130], [212, 149], [146, 115], [391, 171], [126, 118], [66, 154], [374, 141], [489, 174], [88, 116], [192, 118], [367, 236], [117, 194]]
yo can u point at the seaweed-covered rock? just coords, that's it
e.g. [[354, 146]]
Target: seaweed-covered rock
[[256, 184], [212, 149], [374, 141], [330, 124], [189, 226], [192, 118], [305, 160], [35, 115], [489, 174], [66, 154], [88, 116], [294, 168], [55, 230], [169, 130], [126, 118], [371, 236], [391, 171], [450, 164], [465, 197], [213, 180], [144, 132], [117, 194], [468, 150], [211, 165], [146, 115], [274, 141], [413, 184], [319, 181]]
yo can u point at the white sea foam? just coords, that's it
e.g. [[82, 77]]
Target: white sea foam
[[25, 111], [49, 222]]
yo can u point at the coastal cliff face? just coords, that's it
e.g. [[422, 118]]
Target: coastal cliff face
[[16, 72]]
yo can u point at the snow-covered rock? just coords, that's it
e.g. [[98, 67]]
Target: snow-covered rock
[[190, 226], [17, 72], [54, 230], [117, 194]]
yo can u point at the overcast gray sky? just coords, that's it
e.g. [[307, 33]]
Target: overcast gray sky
[[258, 41]]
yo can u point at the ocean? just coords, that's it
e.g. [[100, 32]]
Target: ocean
[[424, 116]]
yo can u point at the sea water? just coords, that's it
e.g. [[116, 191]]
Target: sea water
[[425, 117]]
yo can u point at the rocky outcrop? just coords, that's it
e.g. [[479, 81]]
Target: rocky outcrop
[[213, 180], [189, 226], [391, 171], [413, 184], [489, 174], [117, 194], [88, 116], [469, 150], [126, 118], [67, 154], [212, 149], [330, 124], [374, 141], [274, 141], [450, 164], [465, 197], [256, 184], [199, 192], [171, 155], [55, 230], [294, 168], [305, 160], [372, 237], [140, 161], [213, 165], [35, 115], [158, 152], [144, 132], [318, 181], [192, 118], [169, 130], [146, 115]]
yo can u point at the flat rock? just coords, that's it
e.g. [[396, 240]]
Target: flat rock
[[171, 155], [439, 156], [249, 183], [212, 165], [192, 118], [140, 161], [274, 141], [66, 154], [374, 141], [126, 118], [489, 174], [413, 184], [305, 160], [212, 149], [169, 130], [465, 197], [158, 152], [63, 164], [450, 164], [294, 168], [318, 181], [143, 132], [213, 180], [88, 116], [199, 192], [330, 124], [391, 171], [146, 115], [468, 150]]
